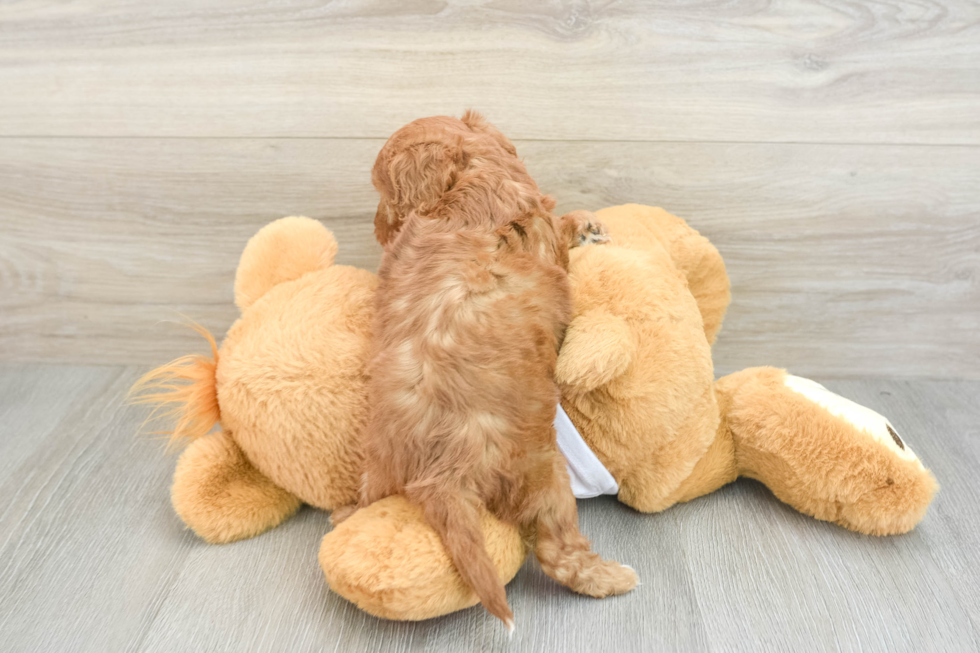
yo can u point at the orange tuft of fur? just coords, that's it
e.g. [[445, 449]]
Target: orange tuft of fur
[[184, 389]]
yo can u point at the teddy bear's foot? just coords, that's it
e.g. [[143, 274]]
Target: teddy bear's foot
[[388, 561], [823, 454], [221, 496]]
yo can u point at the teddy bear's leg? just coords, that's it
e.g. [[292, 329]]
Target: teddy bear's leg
[[221, 496], [822, 454], [715, 468], [388, 561]]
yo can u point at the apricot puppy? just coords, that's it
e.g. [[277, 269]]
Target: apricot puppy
[[472, 305]]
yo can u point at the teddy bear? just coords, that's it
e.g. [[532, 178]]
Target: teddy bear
[[640, 407]]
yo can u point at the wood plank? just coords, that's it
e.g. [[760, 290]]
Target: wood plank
[[895, 71], [89, 542], [101, 240], [845, 260], [23, 388]]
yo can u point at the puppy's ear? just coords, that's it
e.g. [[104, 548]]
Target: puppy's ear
[[386, 225], [477, 123], [413, 178], [387, 220]]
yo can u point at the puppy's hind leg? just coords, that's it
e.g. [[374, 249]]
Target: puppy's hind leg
[[564, 553]]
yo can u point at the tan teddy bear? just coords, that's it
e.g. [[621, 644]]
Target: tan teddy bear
[[288, 389]]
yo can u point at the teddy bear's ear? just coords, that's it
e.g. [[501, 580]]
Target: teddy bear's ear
[[282, 251], [598, 348]]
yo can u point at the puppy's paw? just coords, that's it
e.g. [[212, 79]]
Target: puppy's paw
[[605, 578], [594, 233], [584, 229]]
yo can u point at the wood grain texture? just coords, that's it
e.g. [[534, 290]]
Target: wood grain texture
[[845, 259], [88, 542], [93, 558], [896, 71]]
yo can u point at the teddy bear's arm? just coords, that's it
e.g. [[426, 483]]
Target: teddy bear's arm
[[700, 262], [638, 227], [598, 347], [221, 496], [708, 281]]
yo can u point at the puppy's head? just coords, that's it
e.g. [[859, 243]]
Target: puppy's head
[[424, 159]]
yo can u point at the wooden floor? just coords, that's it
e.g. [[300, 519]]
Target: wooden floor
[[94, 559]]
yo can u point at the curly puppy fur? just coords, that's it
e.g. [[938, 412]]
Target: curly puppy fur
[[472, 306]]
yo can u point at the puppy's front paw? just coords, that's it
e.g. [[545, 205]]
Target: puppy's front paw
[[585, 229], [593, 233]]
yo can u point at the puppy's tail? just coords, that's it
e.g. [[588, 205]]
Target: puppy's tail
[[184, 390], [457, 521]]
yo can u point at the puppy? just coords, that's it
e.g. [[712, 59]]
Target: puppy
[[472, 305]]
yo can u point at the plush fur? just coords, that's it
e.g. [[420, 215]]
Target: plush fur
[[472, 304], [291, 374], [224, 497], [818, 462]]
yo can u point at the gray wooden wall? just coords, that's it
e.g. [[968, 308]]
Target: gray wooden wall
[[831, 150]]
